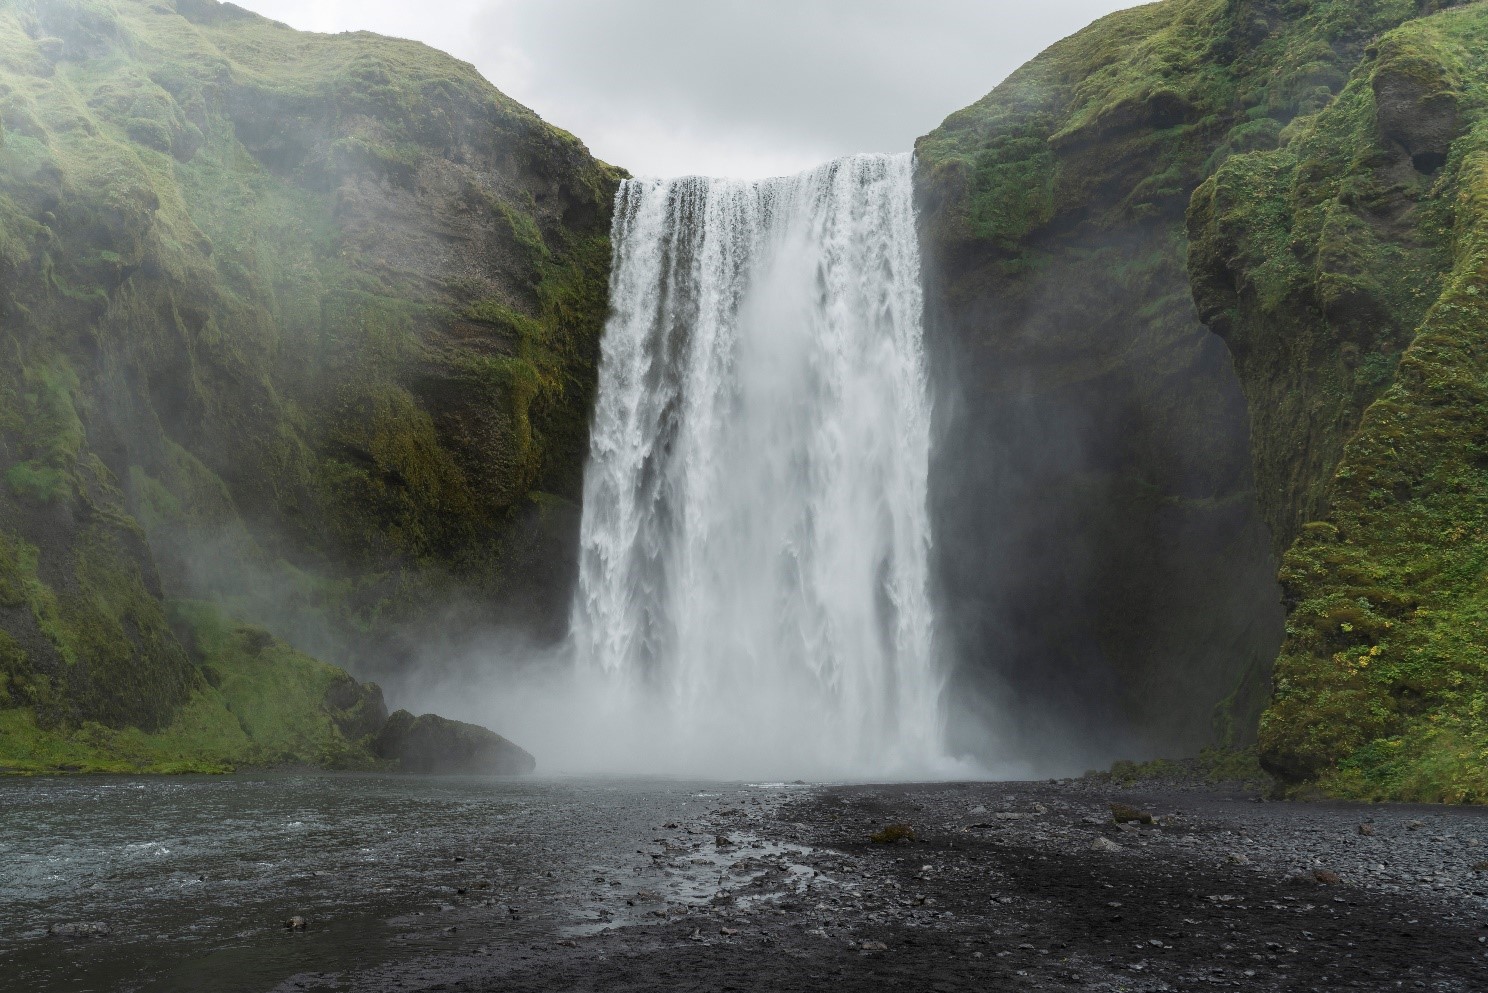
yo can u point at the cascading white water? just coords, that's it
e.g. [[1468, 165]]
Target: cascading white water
[[753, 574]]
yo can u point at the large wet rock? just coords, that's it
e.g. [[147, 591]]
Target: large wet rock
[[434, 744], [357, 709]]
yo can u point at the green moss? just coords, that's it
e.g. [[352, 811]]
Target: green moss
[[893, 833], [276, 694], [38, 483], [398, 161], [1213, 765], [1129, 115], [16, 674], [259, 704], [203, 739]]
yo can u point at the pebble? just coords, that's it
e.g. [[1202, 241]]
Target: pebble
[[1124, 813], [85, 929]]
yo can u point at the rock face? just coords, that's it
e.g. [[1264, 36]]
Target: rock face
[[303, 326], [1303, 179], [432, 744], [1109, 582]]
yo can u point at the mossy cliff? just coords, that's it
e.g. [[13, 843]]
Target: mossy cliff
[[302, 326], [1348, 270], [1298, 177]]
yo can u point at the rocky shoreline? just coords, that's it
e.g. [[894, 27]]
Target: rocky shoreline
[[1020, 886]]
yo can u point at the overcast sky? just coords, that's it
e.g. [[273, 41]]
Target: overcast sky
[[745, 88]]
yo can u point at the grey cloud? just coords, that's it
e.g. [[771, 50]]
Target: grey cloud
[[825, 77], [669, 86]]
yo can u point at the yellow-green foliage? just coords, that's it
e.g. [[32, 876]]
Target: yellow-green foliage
[[276, 694], [892, 834], [1214, 765], [201, 740], [103, 651], [1130, 114], [1316, 269]]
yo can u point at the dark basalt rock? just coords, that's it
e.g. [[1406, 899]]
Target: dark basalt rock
[[437, 745]]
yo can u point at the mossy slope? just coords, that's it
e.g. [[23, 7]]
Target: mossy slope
[[305, 325], [257, 702]]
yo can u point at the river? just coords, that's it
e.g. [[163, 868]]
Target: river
[[194, 877]]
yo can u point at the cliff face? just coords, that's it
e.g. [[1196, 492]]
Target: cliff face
[[1346, 269], [302, 326], [1165, 473]]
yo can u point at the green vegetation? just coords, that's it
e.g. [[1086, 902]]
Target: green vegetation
[[256, 702], [1124, 119], [249, 354], [893, 833], [1214, 765]]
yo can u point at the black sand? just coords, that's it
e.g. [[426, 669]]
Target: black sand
[[1005, 889]]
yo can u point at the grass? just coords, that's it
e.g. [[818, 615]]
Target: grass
[[258, 703]]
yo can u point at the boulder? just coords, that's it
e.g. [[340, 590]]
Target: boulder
[[437, 745], [357, 709], [1125, 813]]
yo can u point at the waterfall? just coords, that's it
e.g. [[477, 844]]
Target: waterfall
[[753, 582]]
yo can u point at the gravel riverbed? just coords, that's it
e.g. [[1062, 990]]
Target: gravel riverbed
[[1019, 887], [421, 884]]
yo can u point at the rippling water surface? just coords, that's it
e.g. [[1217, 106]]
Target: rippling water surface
[[194, 877]]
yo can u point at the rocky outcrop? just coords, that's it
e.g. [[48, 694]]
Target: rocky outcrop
[[433, 744], [301, 325]]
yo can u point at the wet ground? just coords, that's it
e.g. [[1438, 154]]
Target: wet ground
[[411, 884]]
